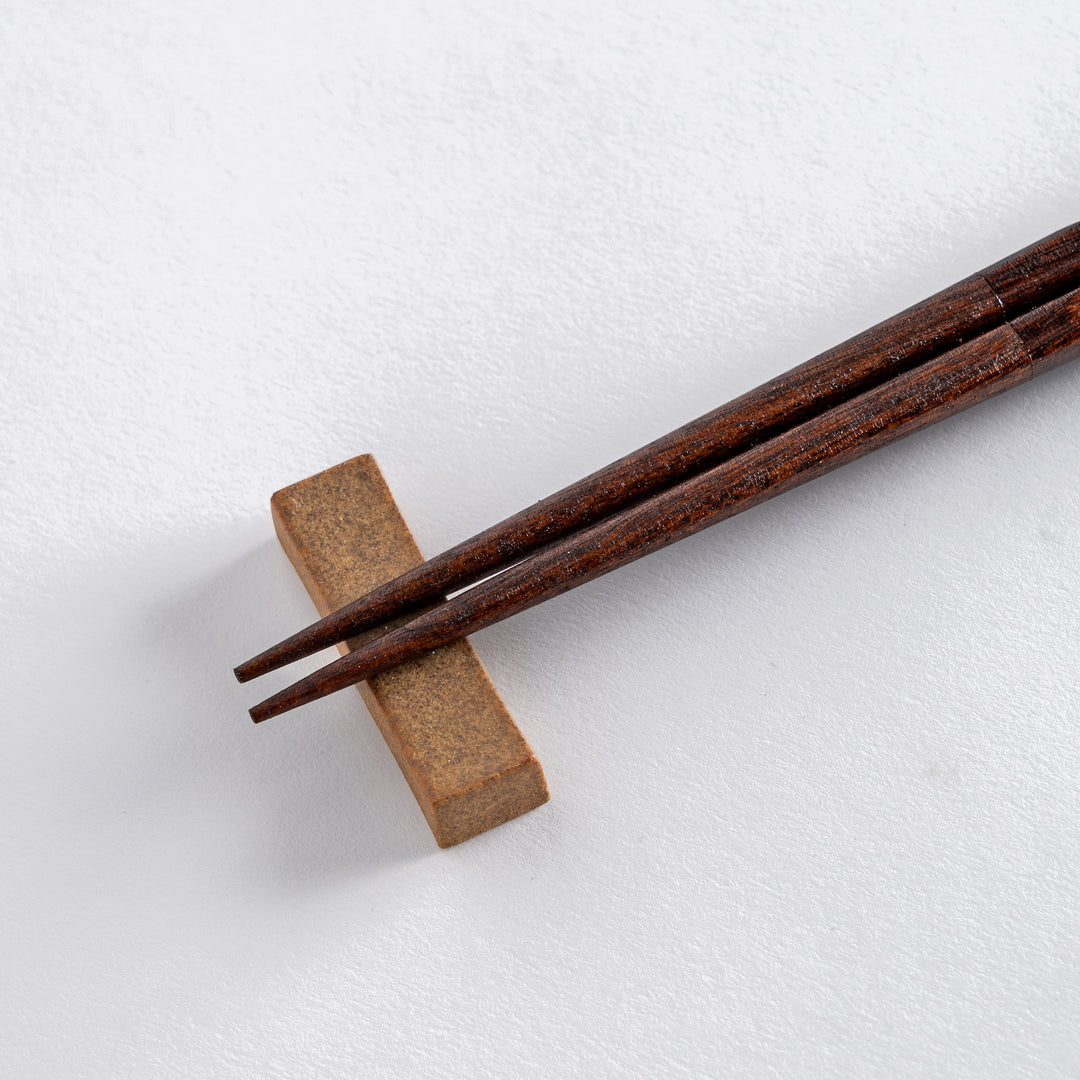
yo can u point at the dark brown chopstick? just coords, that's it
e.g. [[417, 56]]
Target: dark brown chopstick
[[989, 364], [1040, 272]]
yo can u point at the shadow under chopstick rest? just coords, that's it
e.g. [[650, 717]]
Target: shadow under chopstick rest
[[467, 763]]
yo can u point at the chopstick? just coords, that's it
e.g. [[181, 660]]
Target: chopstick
[[992, 362], [1007, 288]]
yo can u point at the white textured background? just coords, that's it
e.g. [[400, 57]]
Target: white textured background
[[816, 809]]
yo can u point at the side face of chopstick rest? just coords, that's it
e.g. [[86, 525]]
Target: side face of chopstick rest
[[946, 319]]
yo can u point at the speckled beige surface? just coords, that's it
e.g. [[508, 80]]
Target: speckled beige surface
[[467, 763]]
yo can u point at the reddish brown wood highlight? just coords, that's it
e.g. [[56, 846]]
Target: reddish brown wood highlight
[[993, 362], [926, 330]]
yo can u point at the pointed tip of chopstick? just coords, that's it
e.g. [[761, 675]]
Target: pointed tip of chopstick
[[270, 660], [260, 712], [371, 658], [281, 702], [343, 672], [310, 640], [389, 601]]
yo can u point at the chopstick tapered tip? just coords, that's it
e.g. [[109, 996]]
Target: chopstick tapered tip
[[271, 706], [262, 663], [300, 693], [262, 711], [345, 671], [311, 639]]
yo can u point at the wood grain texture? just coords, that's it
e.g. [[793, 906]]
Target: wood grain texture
[[912, 337], [1037, 274], [463, 756], [1049, 332], [989, 364]]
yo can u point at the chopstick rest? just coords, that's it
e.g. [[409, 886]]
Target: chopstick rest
[[467, 763]]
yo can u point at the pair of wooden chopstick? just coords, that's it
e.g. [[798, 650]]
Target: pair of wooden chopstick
[[969, 342]]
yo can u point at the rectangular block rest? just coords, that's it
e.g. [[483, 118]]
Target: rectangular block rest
[[467, 763]]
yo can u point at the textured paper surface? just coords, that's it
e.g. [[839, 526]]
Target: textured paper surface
[[815, 788]]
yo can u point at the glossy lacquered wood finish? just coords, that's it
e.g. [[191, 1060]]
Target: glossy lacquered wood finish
[[989, 364], [928, 329]]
